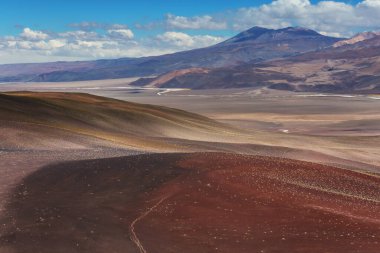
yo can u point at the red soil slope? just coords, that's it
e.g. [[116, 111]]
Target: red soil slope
[[210, 202]]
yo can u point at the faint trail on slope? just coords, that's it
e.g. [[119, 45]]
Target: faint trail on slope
[[133, 236]]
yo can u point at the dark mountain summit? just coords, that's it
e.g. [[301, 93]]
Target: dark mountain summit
[[260, 35], [248, 35]]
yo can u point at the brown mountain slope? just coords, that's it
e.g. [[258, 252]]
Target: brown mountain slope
[[212, 202], [352, 68], [357, 38], [63, 120]]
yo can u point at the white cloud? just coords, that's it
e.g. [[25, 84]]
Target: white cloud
[[370, 3], [118, 42], [197, 22], [121, 33], [94, 44], [185, 41], [89, 26], [80, 35], [117, 26], [177, 38], [57, 43], [328, 17], [30, 34]]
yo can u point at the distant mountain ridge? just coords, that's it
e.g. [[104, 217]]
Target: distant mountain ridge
[[349, 68], [357, 38], [252, 46]]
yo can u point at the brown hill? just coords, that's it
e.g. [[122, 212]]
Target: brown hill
[[69, 120], [72, 121], [357, 38]]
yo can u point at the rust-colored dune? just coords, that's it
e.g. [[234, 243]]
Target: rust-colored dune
[[211, 202]]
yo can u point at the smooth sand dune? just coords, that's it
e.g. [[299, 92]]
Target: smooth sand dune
[[211, 202]]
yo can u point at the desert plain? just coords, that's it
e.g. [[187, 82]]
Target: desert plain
[[100, 166]]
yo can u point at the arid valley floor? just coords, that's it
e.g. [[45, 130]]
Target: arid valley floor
[[233, 170]]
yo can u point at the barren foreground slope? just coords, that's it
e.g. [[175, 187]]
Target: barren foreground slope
[[212, 202], [66, 184]]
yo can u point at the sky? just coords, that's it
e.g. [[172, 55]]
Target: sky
[[68, 30]]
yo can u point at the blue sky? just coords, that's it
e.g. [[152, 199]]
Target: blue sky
[[40, 30], [56, 15]]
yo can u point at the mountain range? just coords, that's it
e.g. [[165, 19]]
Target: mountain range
[[292, 58], [348, 66], [254, 45]]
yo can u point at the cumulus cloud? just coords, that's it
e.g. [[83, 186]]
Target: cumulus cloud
[[85, 45], [370, 3], [176, 38], [328, 17], [198, 22], [185, 41], [30, 34], [79, 35], [90, 26], [334, 18], [121, 33]]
